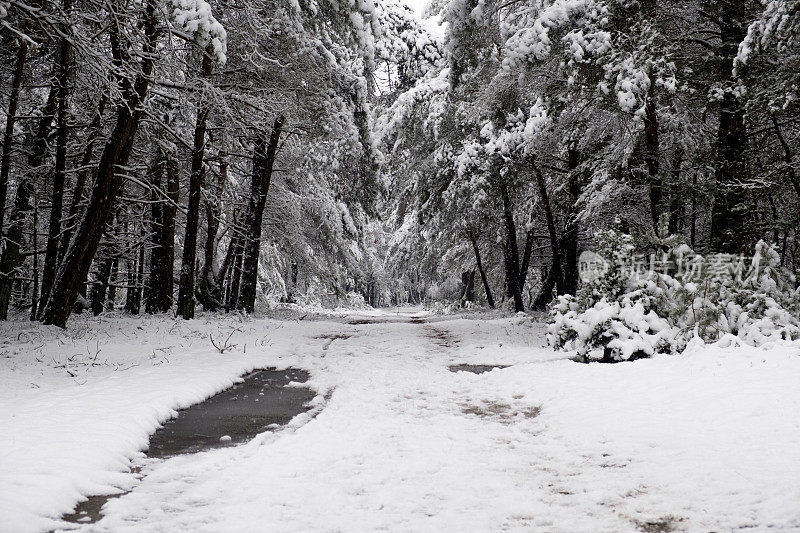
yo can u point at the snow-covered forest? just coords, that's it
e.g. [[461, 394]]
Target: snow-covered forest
[[168, 156], [436, 214]]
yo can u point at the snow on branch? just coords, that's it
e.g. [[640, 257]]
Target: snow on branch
[[195, 18], [778, 27], [534, 43]]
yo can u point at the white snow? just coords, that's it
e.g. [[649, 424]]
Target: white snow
[[709, 440]]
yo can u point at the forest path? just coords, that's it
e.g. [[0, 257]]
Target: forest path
[[404, 440], [400, 434]]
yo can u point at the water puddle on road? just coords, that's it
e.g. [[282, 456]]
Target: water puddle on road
[[475, 369], [262, 401]]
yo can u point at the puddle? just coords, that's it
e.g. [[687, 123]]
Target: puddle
[[261, 402], [364, 322], [475, 369], [241, 413], [89, 512]]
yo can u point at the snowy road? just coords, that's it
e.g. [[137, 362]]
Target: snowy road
[[704, 442]]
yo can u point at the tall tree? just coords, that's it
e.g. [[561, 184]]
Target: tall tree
[[263, 160], [59, 177], [11, 118], [186, 297]]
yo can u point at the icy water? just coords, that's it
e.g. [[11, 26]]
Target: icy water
[[475, 369], [263, 401]]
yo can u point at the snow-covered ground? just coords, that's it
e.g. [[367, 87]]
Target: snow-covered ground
[[705, 441]]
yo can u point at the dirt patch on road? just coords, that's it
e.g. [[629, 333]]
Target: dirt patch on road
[[440, 337], [665, 524], [499, 411], [330, 337]]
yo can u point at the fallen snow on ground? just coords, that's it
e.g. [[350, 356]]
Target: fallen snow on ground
[[705, 441]]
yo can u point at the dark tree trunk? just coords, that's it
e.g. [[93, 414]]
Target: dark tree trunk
[[263, 160], [186, 301], [512, 262], [572, 230], [79, 256], [140, 278], [556, 271], [676, 199], [35, 245], [232, 300], [693, 228], [59, 177], [170, 212], [162, 258], [153, 295], [100, 286], [653, 154], [112, 288], [133, 297], [11, 257], [468, 287], [222, 273], [545, 293], [209, 290], [526, 258], [8, 135], [487, 289], [731, 230]]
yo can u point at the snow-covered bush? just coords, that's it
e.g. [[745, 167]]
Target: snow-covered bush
[[637, 309]]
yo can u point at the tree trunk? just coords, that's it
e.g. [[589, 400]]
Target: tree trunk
[[730, 217], [487, 289], [526, 258], [693, 229], [511, 252], [468, 291], [154, 293], [209, 290], [59, 177], [653, 154], [98, 293], [545, 293], [572, 229], [263, 160], [186, 301], [676, 209], [222, 273], [556, 270], [162, 258], [133, 298], [35, 245], [168, 233], [8, 136], [232, 302], [112, 288], [79, 256]]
